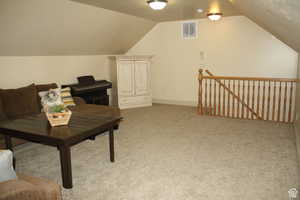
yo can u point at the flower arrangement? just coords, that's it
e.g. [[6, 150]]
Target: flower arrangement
[[54, 108], [57, 109]]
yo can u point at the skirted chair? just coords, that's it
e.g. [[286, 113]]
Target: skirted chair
[[21, 187]]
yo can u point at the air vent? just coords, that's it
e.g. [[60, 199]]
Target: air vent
[[189, 30]]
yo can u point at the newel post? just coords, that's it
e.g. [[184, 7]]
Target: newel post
[[200, 105]]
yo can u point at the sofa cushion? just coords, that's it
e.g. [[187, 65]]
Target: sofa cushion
[[44, 87], [2, 113], [20, 102], [7, 171]]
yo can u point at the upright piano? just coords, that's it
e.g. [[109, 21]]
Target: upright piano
[[91, 90]]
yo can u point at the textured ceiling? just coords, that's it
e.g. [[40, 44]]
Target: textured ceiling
[[280, 17], [64, 27], [176, 9]]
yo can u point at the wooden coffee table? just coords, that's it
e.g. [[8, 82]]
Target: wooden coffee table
[[87, 122]]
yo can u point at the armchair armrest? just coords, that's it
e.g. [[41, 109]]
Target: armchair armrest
[[79, 100], [29, 188], [18, 190]]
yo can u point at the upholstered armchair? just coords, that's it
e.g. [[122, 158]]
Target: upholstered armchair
[[25, 187]]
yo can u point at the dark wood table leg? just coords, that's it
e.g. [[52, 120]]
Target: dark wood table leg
[[111, 145], [66, 166], [8, 145], [92, 138]]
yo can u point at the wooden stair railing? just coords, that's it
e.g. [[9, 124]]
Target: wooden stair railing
[[271, 99]]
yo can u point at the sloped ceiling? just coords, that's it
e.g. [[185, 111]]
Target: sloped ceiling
[[176, 9], [64, 27], [87, 27], [279, 17]]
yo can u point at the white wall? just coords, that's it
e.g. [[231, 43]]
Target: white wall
[[234, 46], [21, 71]]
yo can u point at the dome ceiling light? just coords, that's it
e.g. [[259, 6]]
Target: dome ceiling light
[[157, 4], [214, 16]]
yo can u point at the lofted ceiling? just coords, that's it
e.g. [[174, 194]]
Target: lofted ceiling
[[88, 27], [176, 9], [64, 27], [279, 17]]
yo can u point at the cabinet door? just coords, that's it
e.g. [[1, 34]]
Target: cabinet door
[[126, 78], [142, 77]]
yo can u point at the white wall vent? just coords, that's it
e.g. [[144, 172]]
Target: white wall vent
[[189, 29]]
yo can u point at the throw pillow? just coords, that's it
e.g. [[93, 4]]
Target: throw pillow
[[19, 102], [44, 87], [67, 97], [51, 98], [7, 171]]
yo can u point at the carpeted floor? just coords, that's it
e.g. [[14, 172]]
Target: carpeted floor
[[170, 153]]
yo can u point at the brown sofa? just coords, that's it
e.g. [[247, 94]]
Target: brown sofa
[[15, 103]]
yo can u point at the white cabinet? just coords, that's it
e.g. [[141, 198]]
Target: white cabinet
[[133, 81]]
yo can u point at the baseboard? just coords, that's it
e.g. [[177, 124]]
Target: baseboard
[[174, 102], [123, 107]]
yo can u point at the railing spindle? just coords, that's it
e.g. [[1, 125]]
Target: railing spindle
[[253, 97], [219, 99], [291, 102], [210, 104], [263, 103], [269, 101], [248, 98], [274, 101], [228, 103], [243, 99], [215, 94], [238, 104], [206, 96], [258, 96], [284, 103], [224, 99], [233, 100], [279, 103]]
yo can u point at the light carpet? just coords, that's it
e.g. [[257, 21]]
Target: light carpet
[[170, 153]]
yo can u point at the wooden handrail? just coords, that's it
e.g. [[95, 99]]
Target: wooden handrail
[[250, 78], [211, 76]]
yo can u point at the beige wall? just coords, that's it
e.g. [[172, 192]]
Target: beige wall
[[21, 71], [233, 46]]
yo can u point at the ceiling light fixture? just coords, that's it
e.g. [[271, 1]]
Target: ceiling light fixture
[[157, 4], [214, 16], [199, 10]]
